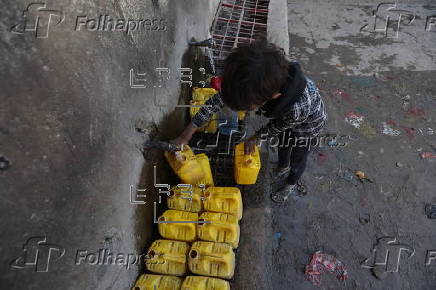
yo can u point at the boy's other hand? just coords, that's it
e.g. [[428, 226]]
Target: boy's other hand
[[250, 145]]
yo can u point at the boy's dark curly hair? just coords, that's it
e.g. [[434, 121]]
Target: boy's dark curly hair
[[253, 73]]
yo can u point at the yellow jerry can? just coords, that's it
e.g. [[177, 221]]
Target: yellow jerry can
[[246, 166], [186, 198], [204, 283], [223, 199], [205, 165], [167, 257], [221, 227], [203, 94], [211, 126], [212, 259], [241, 115], [157, 282], [178, 225], [185, 165]]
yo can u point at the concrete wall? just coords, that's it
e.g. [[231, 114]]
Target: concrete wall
[[67, 125]]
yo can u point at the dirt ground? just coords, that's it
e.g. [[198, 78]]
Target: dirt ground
[[380, 93]]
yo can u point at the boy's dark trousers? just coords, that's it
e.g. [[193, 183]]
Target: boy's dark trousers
[[293, 151]]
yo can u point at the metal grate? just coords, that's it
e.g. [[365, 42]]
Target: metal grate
[[237, 22], [220, 150]]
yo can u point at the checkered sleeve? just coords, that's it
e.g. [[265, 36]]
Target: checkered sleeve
[[210, 107], [306, 117], [295, 116]]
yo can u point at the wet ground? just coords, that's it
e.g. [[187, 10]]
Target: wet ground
[[381, 95]]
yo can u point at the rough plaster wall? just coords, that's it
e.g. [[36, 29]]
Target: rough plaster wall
[[67, 124]]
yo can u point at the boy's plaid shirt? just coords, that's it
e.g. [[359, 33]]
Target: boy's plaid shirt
[[304, 118]]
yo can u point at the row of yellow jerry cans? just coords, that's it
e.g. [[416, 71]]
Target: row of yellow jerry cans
[[195, 169], [214, 199], [163, 282], [170, 257], [210, 226], [199, 97]]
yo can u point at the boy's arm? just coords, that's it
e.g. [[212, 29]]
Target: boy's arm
[[211, 106], [294, 117]]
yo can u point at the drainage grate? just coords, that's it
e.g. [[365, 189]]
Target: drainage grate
[[236, 22], [220, 150]]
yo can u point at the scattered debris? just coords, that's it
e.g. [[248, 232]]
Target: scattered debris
[[277, 235], [364, 218], [426, 155], [410, 132], [364, 81], [388, 130], [321, 158], [406, 102], [348, 176], [430, 211], [362, 176], [367, 130], [322, 263], [360, 109], [346, 96], [416, 112], [354, 119], [4, 163]]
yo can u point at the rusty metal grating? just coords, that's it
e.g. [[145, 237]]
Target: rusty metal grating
[[237, 22]]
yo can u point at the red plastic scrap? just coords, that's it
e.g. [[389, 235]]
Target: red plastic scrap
[[428, 155], [418, 112], [322, 263], [215, 82], [410, 132]]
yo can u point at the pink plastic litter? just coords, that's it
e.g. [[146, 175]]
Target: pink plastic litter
[[322, 263]]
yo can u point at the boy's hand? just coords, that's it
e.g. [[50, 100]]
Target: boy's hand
[[250, 145], [180, 140], [186, 135]]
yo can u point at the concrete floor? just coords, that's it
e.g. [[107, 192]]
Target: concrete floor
[[383, 79]]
